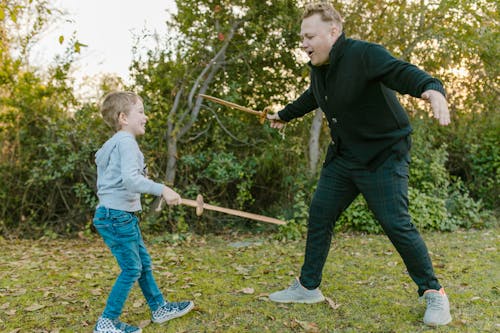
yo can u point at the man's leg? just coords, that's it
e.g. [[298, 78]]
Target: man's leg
[[386, 192], [334, 193]]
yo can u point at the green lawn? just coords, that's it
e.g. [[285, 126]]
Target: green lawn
[[61, 285]]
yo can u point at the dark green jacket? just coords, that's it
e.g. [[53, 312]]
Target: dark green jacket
[[356, 92]]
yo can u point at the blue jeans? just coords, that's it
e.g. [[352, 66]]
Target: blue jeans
[[121, 233], [386, 192]]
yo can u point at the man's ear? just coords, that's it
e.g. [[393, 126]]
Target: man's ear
[[334, 30]]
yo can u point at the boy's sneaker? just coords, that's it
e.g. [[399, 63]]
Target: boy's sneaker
[[438, 308], [171, 310], [296, 293], [106, 325]]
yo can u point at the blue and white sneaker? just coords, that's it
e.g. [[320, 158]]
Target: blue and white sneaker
[[106, 325], [171, 310]]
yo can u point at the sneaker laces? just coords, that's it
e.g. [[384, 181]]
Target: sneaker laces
[[295, 285], [166, 309], [435, 300]]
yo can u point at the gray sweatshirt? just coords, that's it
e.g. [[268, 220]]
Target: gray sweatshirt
[[121, 174]]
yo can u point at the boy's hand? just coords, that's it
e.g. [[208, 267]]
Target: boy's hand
[[171, 197]]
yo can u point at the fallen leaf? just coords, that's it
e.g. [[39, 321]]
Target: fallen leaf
[[332, 304], [307, 326], [34, 307], [248, 291], [138, 303], [144, 323]]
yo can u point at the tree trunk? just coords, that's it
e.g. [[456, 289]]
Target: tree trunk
[[314, 141], [171, 161]]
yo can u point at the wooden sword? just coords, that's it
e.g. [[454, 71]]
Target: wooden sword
[[261, 114], [200, 206]]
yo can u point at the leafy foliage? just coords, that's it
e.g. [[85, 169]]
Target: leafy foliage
[[245, 52]]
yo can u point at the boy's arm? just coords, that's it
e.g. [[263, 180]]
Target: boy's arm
[[132, 169]]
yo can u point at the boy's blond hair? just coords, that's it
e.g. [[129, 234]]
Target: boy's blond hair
[[327, 12], [115, 103]]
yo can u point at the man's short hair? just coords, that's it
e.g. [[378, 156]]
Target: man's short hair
[[327, 12], [115, 103]]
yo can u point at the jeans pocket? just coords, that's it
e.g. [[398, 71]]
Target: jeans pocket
[[125, 226]]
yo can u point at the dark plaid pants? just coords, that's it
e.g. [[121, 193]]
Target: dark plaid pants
[[386, 192]]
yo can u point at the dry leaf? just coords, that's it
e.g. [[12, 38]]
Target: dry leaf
[[138, 303], [248, 291], [307, 326], [34, 307], [332, 304]]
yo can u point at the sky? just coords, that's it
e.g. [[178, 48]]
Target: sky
[[107, 27]]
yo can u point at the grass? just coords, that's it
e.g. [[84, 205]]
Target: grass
[[62, 285]]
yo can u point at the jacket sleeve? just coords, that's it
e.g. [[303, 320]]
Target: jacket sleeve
[[132, 166], [302, 105], [396, 74]]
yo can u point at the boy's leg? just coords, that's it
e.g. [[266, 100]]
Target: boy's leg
[[386, 192], [121, 234], [148, 285]]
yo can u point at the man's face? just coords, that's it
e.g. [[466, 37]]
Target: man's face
[[318, 38]]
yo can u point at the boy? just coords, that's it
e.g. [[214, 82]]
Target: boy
[[121, 178]]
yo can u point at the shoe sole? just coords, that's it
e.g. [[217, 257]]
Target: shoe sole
[[138, 331], [176, 315], [303, 301], [446, 322]]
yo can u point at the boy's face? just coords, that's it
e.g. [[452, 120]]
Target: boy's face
[[318, 38], [135, 121]]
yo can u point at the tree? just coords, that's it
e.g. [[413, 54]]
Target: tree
[[242, 51]]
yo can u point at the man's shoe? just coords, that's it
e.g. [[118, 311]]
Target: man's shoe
[[296, 293], [171, 310], [438, 308], [106, 325]]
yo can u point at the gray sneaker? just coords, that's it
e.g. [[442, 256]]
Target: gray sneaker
[[438, 308], [296, 293]]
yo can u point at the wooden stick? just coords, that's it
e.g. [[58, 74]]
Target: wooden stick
[[262, 115], [200, 206]]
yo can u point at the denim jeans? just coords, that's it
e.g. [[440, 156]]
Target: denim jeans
[[121, 233], [386, 192]]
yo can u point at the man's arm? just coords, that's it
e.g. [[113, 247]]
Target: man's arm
[[302, 105]]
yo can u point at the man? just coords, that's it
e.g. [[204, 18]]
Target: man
[[353, 83]]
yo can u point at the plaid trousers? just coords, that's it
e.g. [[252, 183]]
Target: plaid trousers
[[386, 192]]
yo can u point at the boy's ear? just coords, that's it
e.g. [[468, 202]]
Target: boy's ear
[[122, 118]]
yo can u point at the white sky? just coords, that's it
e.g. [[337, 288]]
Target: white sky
[[107, 27]]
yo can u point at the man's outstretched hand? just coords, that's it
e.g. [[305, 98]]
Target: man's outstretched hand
[[439, 106]]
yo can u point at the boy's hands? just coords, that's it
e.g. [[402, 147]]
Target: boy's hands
[[171, 197]]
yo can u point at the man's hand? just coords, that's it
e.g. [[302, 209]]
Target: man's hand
[[439, 106], [171, 197], [275, 121]]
